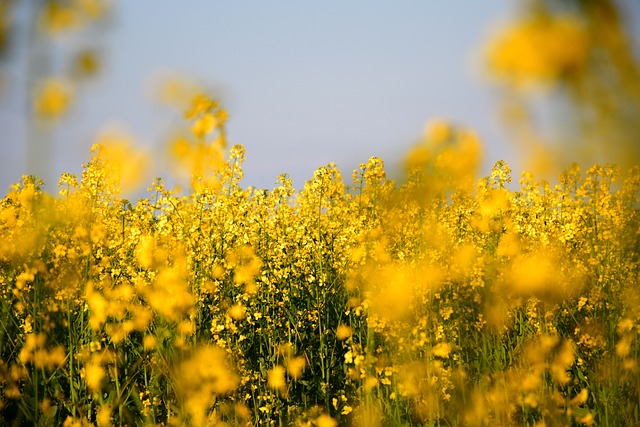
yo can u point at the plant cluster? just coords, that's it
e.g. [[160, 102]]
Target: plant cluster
[[442, 299]]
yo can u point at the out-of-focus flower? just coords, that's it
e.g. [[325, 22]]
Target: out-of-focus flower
[[86, 63], [295, 366], [539, 49], [125, 163], [52, 99], [176, 90], [275, 378], [343, 332], [57, 16], [325, 420], [201, 377]]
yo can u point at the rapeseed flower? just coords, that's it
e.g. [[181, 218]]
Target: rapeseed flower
[[52, 99], [539, 49]]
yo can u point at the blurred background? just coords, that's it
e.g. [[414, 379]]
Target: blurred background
[[304, 84]]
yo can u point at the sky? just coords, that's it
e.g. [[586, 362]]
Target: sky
[[304, 83]]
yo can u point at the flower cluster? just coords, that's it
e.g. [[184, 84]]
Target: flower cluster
[[441, 298]]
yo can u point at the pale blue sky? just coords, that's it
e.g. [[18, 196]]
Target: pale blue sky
[[304, 83]]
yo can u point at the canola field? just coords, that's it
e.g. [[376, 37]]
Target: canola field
[[441, 299], [438, 297]]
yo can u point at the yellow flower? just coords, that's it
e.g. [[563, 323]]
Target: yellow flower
[[442, 350], [57, 17], [623, 346], [343, 332], [237, 311], [539, 49], [86, 63], [144, 251], [149, 342], [126, 163], [438, 131], [580, 398], [624, 325], [295, 366], [177, 90], [98, 306], [586, 419], [325, 421], [52, 99], [93, 375], [103, 417], [275, 378], [204, 125], [93, 9], [535, 274]]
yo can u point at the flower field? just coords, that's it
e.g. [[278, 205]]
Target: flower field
[[441, 299], [438, 297]]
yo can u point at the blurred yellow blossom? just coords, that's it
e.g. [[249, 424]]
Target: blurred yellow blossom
[[343, 332], [442, 350], [539, 49], [86, 63], [325, 421], [52, 98], [295, 366], [275, 378], [93, 375], [127, 163]]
